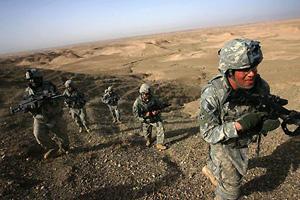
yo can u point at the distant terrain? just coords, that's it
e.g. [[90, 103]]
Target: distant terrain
[[112, 162]]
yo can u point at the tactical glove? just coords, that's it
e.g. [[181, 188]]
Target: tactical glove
[[251, 120], [269, 125]]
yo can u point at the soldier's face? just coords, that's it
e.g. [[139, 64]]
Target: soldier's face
[[145, 97], [245, 78], [33, 83], [69, 89]]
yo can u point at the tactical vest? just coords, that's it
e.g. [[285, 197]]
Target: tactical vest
[[48, 108], [144, 107], [111, 98], [231, 111], [75, 99]]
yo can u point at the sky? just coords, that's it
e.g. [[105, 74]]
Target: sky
[[36, 24]]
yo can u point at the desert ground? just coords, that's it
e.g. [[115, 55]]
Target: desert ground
[[112, 162]]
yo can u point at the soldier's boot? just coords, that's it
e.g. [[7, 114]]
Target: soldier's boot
[[118, 120], [87, 129], [148, 142], [51, 153], [161, 147], [208, 173]]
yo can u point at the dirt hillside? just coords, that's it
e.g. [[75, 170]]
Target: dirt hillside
[[112, 162]]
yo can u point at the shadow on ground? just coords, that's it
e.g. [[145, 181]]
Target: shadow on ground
[[177, 135], [277, 165]]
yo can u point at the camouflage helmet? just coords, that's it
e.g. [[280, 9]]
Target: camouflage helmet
[[32, 74], [68, 83], [239, 54], [109, 89], [145, 88]]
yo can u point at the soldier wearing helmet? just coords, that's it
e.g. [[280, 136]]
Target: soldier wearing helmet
[[111, 98], [46, 115], [229, 127], [34, 78], [149, 118], [75, 101]]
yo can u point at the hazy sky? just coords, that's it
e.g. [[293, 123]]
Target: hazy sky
[[34, 24]]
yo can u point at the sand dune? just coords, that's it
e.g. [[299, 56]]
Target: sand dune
[[173, 56], [101, 165], [127, 50], [182, 56], [220, 37], [65, 57]]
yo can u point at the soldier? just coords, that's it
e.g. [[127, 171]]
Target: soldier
[[149, 118], [75, 101], [111, 98], [46, 115], [229, 127]]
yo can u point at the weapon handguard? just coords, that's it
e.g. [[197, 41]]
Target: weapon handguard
[[293, 118]]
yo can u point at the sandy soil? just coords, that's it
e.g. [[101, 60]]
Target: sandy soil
[[112, 162]]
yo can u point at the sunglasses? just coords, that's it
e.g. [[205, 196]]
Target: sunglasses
[[248, 70]]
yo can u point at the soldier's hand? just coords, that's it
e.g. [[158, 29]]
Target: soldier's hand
[[148, 114], [155, 112], [251, 120]]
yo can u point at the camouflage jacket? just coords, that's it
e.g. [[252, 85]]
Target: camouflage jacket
[[48, 109], [74, 99], [140, 109], [110, 98], [218, 114]]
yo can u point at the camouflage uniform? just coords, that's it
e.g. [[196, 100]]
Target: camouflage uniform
[[228, 152], [228, 158], [75, 101], [47, 116], [139, 110], [111, 98]]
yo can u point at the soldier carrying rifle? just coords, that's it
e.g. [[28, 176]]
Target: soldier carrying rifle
[[147, 109], [42, 101], [75, 101], [236, 107], [111, 98]]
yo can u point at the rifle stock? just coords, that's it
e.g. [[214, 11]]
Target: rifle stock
[[30, 102]]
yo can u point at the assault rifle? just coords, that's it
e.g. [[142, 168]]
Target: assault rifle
[[274, 106], [31, 102], [152, 108]]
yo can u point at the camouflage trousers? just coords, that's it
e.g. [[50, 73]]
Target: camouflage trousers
[[41, 132], [114, 112], [79, 115], [160, 131], [228, 177]]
